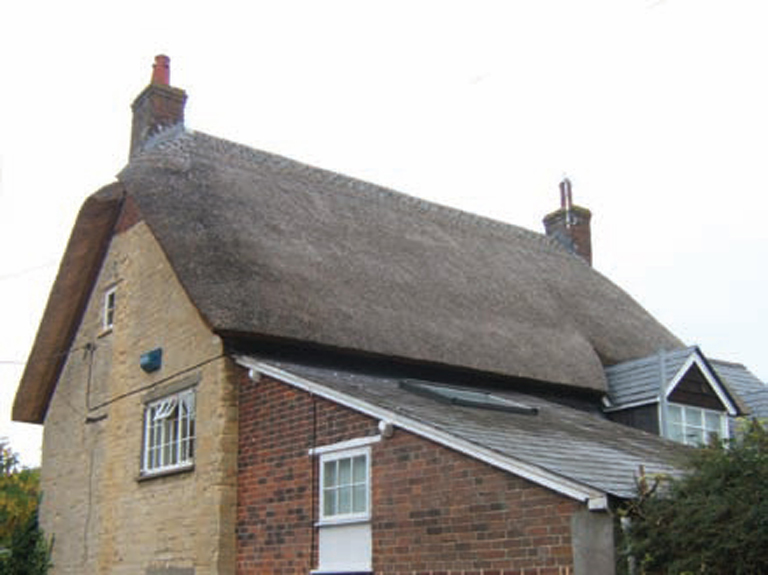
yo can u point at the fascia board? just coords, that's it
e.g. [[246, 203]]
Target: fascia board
[[712, 379], [596, 499], [670, 387], [624, 406]]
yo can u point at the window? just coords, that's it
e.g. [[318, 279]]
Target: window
[[345, 543], [467, 397], [693, 425], [345, 486], [108, 320], [169, 433]]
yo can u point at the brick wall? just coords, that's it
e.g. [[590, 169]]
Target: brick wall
[[434, 510]]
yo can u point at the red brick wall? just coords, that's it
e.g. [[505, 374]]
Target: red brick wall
[[435, 511]]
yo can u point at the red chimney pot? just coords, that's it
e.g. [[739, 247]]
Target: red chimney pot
[[161, 70]]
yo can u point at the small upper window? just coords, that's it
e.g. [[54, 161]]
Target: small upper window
[[108, 321], [345, 485], [169, 433]]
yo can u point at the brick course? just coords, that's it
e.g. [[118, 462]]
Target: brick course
[[434, 510]]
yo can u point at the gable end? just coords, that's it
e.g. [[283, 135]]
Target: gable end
[[697, 385]]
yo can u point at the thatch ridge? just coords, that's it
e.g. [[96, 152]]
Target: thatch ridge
[[179, 143]]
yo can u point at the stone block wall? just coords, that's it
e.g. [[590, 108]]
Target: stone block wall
[[104, 517]]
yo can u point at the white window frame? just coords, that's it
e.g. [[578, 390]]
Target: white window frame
[[693, 418], [108, 311], [169, 433], [352, 516]]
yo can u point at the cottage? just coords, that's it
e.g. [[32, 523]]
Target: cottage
[[251, 365]]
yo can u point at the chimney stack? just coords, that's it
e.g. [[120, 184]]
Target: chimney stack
[[159, 106], [570, 225]]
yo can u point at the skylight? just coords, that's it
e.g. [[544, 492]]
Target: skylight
[[467, 397]]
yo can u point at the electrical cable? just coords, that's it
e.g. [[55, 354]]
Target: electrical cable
[[156, 383]]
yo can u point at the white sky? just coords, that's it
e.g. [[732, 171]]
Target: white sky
[[656, 109]]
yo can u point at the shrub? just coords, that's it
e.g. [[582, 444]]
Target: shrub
[[712, 520]]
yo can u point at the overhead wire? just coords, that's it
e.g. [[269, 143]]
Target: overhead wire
[[16, 274]]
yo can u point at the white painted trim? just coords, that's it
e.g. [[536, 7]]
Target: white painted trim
[[533, 473], [695, 357], [598, 503], [624, 406], [173, 402], [344, 445]]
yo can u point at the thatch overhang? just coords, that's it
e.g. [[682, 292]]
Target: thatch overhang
[[69, 296], [272, 247]]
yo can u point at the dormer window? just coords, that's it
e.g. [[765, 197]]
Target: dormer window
[[677, 394], [693, 425], [108, 317]]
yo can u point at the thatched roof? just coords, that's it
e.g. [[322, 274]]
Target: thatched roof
[[269, 247]]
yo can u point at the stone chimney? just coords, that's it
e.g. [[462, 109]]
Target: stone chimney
[[570, 224], [158, 107]]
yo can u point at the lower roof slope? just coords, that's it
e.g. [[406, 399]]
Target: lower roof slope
[[271, 247], [560, 441]]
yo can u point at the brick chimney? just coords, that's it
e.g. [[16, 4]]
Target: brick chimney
[[158, 107], [570, 224]]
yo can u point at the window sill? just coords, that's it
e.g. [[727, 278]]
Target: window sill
[[147, 476], [343, 521], [105, 331]]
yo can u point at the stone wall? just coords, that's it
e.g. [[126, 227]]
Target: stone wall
[[104, 517]]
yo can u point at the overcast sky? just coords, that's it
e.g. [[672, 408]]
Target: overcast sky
[[656, 109]]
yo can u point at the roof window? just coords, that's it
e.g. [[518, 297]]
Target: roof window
[[467, 397]]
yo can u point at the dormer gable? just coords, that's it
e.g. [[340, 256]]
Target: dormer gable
[[673, 393], [697, 384]]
